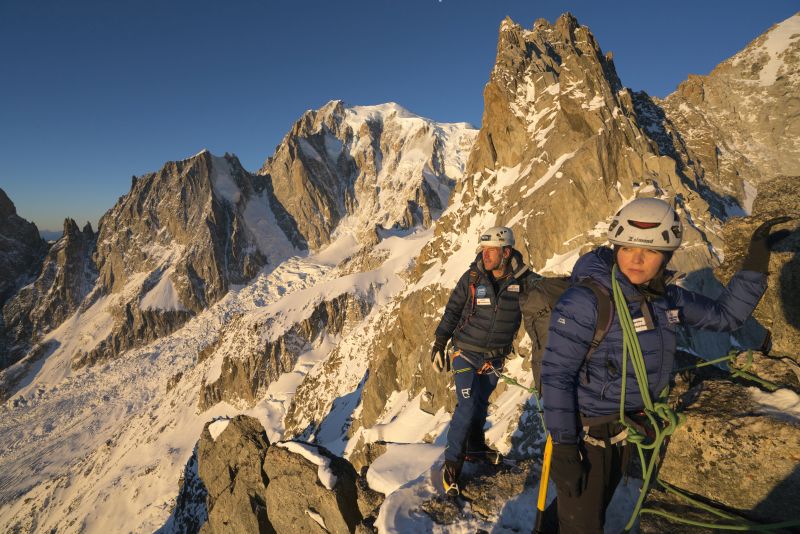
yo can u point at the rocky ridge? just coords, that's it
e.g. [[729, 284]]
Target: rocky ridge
[[21, 253], [741, 123], [67, 275]]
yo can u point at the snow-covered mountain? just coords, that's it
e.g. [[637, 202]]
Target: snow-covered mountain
[[305, 295], [366, 170], [204, 294], [740, 124]]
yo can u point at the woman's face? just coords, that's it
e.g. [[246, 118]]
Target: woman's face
[[640, 265]]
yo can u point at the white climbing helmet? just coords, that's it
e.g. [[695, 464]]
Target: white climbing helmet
[[646, 223], [498, 236]]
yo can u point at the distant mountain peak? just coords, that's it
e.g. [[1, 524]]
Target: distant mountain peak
[[6, 206]]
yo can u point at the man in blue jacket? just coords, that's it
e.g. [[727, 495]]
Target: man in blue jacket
[[582, 398], [482, 317]]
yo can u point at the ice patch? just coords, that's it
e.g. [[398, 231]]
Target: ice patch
[[223, 182], [750, 193], [317, 518], [562, 264], [554, 168], [309, 150]]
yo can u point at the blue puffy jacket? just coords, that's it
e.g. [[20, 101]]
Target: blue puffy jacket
[[570, 391]]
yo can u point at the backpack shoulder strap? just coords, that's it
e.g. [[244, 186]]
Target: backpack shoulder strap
[[605, 314], [474, 276]]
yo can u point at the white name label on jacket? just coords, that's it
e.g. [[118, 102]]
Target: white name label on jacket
[[640, 324], [514, 288], [484, 302]]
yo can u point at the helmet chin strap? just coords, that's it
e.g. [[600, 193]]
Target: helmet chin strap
[[503, 261]]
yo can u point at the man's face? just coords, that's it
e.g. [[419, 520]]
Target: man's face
[[492, 257], [640, 265]]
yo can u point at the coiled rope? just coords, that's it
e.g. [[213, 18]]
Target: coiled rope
[[664, 422]]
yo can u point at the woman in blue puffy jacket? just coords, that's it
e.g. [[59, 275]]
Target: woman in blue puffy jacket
[[582, 397]]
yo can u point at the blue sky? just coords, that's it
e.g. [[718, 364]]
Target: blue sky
[[93, 92]]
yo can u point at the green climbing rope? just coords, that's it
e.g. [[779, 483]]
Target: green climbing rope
[[512, 381], [741, 372], [665, 421]]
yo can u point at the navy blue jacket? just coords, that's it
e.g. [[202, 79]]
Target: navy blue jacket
[[566, 391], [487, 320]]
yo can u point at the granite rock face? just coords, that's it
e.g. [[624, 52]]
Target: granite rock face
[[779, 309], [21, 248], [67, 275], [21, 253], [741, 123], [230, 467], [310, 497]]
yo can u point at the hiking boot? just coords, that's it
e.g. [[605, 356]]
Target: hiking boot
[[483, 454], [450, 473]]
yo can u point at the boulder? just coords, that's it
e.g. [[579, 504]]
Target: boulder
[[739, 449], [314, 490], [779, 309]]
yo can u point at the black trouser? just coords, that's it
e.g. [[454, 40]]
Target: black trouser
[[587, 514]]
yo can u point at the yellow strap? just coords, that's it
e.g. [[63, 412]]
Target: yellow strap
[[548, 451]]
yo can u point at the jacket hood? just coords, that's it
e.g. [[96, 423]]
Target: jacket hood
[[596, 265]]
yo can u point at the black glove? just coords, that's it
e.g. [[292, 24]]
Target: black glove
[[757, 258], [568, 470], [439, 359]]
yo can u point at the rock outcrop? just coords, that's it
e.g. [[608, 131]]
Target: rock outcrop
[[66, 277], [230, 467], [238, 482], [314, 490], [21, 248], [779, 309], [738, 450], [361, 167]]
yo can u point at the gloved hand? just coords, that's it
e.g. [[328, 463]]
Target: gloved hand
[[439, 359], [568, 470], [757, 258]]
